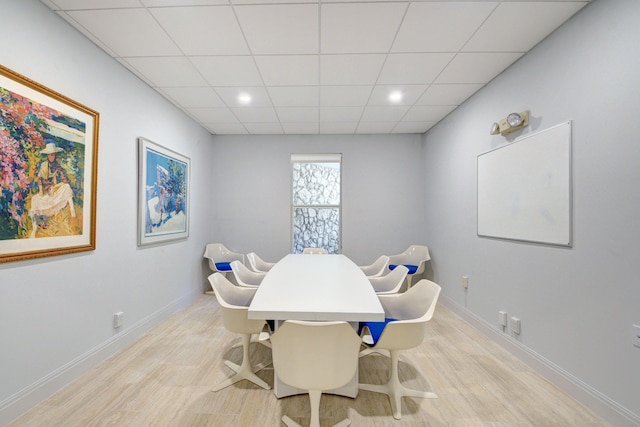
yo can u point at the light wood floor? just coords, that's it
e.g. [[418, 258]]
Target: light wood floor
[[165, 378]]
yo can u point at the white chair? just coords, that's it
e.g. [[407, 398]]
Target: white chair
[[391, 282], [220, 257], [406, 316], [414, 258], [234, 303], [244, 276], [258, 264], [315, 356], [377, 268], [315, 251]]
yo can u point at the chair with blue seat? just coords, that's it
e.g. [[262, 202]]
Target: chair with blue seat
[[406, 317], [220, 258], [234, 303], [244, 276], [315, 356], [391, 282], [414, 258], [377, 268]]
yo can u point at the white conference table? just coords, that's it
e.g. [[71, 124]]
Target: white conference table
[[316, 288]]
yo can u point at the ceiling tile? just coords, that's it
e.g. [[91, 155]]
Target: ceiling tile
[[384, 114], [350, 69], [441, 26], [137, 34], [428, 113], [280, 29], [96, 4], [448, 94], [476, 67], [193, 97], [375, 127], [174, 3], [301, 128], [337, 128], [340, 114], [344, 95], [413, 68], [255, 114], [264, 128], [167, 71], [210, 30], [359, 27], [227, 128], [294, 96], [288, 70], [412, 127], [213, 115], [228, 70], [518, 26], [297, 114], [231, 96], [315, 66], [410, 93]]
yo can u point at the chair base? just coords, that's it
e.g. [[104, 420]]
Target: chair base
[[290, 423], [245, 371], [395, 390]]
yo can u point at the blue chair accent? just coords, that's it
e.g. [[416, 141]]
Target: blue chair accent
[[375, 328], [412, 268], [223, 266]]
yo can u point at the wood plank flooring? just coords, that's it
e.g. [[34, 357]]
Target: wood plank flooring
[[165, 379]]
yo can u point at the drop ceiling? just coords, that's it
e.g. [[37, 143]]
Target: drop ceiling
[[309, 67]]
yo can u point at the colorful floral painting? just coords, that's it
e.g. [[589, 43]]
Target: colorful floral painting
[[164, 185], [46, 177]]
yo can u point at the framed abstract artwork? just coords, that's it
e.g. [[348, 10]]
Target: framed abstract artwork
[[48, 171], [163, 194]]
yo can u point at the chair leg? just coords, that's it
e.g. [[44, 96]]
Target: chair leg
[[394, 389], [314, 399], [244, 371]]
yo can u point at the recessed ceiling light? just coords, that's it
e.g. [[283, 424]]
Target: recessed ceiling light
[[244, 98], [395, 96]]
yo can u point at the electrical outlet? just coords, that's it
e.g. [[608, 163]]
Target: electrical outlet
[[465, 282], [636, 335], [514, 325], [118, 320]]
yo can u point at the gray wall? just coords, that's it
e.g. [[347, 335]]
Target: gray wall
[[56, 313], [382, 192], [577, 305]]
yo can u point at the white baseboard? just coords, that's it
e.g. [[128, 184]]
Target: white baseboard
[[20, 402], [608, 409]]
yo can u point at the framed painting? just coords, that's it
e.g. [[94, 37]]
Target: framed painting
[[48, 171], [163, 194]]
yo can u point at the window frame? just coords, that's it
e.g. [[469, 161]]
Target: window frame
[[314, 158]]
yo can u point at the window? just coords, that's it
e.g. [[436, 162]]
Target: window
[[315, 202]]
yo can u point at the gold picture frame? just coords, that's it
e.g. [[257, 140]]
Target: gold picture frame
[[48, 171]]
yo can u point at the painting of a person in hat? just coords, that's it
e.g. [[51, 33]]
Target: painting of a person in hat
[[54, 190]]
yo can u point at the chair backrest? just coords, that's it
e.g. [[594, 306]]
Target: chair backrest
[[258, 264], [412, 309], [315, 355], [413, 255], [234, 302], [377, 267], [315, 251], [390, 282], [215, 250], [244, 276]]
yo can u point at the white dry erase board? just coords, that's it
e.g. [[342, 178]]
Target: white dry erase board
[[524, 189]]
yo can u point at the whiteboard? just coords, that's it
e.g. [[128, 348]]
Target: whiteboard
[[524, 189]]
